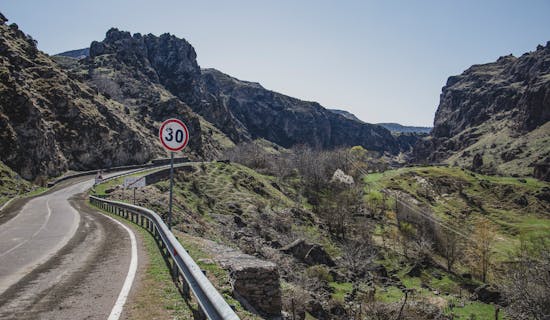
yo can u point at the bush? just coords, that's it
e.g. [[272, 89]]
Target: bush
[[319, 272]]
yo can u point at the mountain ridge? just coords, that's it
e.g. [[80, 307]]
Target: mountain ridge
[[242, 110]]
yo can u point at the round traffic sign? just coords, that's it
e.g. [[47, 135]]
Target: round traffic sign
[[173, 135]]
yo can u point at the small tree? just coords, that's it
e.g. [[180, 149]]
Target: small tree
[[483, 238], [406, 234]]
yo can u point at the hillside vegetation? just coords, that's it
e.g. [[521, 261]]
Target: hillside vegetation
[[11, 185], [517, 207], [375, 258]]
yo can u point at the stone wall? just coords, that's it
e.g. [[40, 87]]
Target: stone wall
[[164, 174], [255, 282]]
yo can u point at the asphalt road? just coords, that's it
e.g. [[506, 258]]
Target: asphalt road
[[59, 259]]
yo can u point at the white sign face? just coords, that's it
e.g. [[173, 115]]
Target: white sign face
[[173, 135], [134, 182]]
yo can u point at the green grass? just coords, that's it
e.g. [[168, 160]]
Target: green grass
[[313, 234], [340, 290], [389, 294], [214, 186], [446, 284], [476, 310], [451, 192], [11, 186]]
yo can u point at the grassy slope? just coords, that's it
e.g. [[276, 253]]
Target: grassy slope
[[497, 138], [210, 191], [453, 193], [11, 186]]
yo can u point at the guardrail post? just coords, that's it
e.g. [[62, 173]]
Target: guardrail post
[[185, 290], [175, 272], [200, 314]]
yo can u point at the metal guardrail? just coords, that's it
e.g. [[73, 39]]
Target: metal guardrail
[[185, 271], [152, 164], [92, 172]]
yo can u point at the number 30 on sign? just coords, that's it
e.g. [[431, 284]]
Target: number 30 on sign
[[173, 135]]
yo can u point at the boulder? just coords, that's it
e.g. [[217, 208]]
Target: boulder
[[308, 253], [487, 294]]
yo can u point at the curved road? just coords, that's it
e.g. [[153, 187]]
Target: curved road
[[59, 259]]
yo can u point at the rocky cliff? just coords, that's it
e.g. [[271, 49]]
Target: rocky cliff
[[51, 122], [241, 110], [496, 113]]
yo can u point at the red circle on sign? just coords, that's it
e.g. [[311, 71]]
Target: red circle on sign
[[183, 127]]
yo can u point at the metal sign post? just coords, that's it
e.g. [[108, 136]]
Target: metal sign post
[[174, 136], [134, 183], [171, 186]]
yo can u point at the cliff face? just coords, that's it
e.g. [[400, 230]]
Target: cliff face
[[241, 110], [51, 122], [497, 112], [287, 121]]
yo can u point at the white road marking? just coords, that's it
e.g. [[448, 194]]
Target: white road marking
[[125, 291], [34, 234]]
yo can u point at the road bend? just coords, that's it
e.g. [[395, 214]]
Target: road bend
[[60, 259]]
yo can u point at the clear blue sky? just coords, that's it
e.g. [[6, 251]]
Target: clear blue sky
[[385, 61]]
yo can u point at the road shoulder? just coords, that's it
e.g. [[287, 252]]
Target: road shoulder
[[153, 295]]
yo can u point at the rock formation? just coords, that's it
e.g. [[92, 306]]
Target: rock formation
[[498, 110]]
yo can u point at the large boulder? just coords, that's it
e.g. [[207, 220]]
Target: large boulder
[[487, 294], [311, 254]]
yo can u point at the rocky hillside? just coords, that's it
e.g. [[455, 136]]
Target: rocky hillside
[[121, 63], [51, 122], [288, 121], [496, 113]]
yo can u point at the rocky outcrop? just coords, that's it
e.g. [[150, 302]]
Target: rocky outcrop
[[499, 110], [51, 122]]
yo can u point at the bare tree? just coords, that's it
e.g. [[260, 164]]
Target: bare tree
[[338, 206], [481, 253], [358, 254], [450, 246]]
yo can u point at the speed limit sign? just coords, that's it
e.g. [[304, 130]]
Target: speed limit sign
[[173, 135]]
